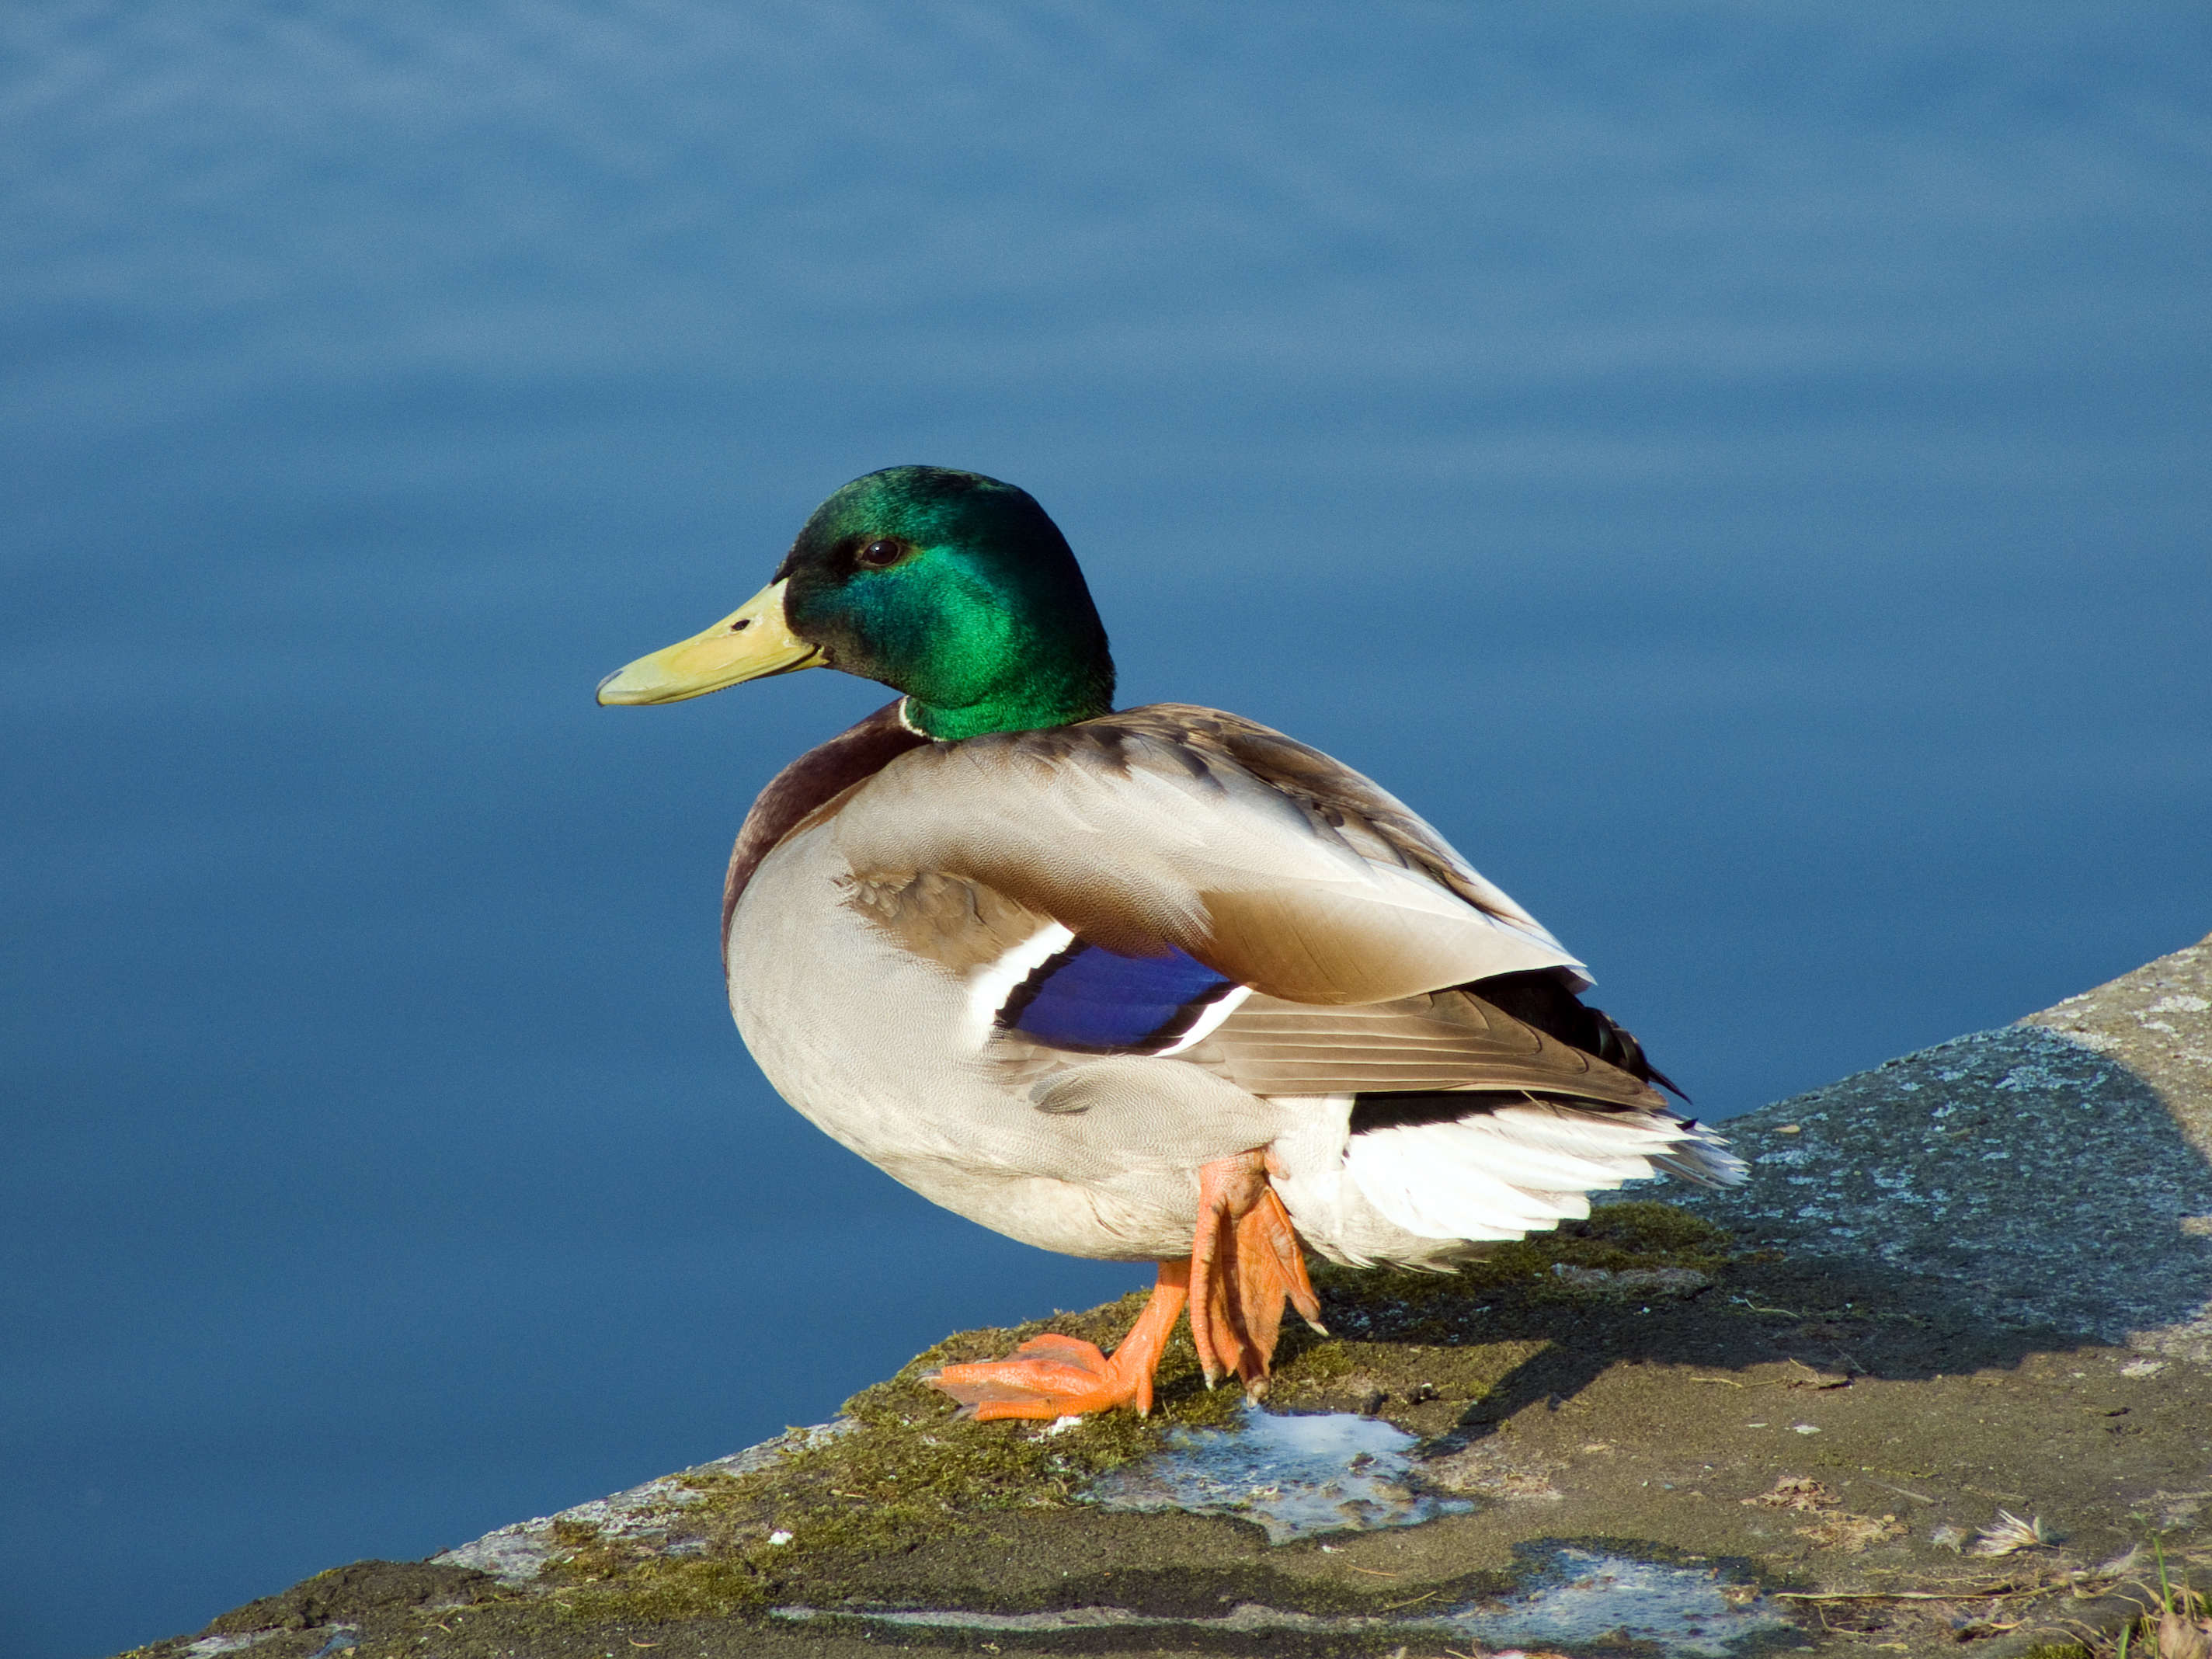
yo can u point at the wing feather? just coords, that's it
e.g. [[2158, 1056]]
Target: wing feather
[[1438, 1041], [1145, 831], [1173, 832]]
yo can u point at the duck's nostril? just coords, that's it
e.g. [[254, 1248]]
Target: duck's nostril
[[741, 624]]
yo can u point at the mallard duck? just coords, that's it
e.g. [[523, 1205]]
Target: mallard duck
[[1155, 984]]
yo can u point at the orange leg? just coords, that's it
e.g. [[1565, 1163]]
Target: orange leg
[[1244, 1264]]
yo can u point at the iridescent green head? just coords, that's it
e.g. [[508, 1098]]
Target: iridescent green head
[[949, 586]]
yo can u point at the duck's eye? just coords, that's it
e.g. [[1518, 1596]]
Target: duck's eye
[[878, 555]]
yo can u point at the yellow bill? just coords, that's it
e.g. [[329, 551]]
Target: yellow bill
[[750, 643]]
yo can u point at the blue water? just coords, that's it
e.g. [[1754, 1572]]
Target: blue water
[[1739, 470]]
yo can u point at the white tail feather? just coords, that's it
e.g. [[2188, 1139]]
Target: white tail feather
[[1521, 1169], [1702, 1156], [1403, 1179], [1491, 1149]]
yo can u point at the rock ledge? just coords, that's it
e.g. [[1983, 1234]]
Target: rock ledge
[[1936, 1375]]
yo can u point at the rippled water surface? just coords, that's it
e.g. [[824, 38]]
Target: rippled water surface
[[1738, 471]]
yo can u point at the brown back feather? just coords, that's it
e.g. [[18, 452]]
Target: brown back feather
[[1177, 826]]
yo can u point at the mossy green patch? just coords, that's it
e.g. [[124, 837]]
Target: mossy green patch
[[1568, 1406], [1406, 1340], [902, 1468], [1617, 1238]]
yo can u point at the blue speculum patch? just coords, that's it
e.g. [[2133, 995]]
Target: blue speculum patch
[[1088, 997]]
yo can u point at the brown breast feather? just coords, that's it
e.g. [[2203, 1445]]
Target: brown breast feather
[[812, 781]]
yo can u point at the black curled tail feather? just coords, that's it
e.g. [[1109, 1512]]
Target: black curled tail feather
[[1537, 999]]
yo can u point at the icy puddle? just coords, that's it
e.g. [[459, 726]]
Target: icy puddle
[[1296, 1476], [1576, 1600], [1300, 1477], [1581, 1597]]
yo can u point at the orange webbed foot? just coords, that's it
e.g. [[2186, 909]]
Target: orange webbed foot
[[1245, 1264], [1053, 1375]]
